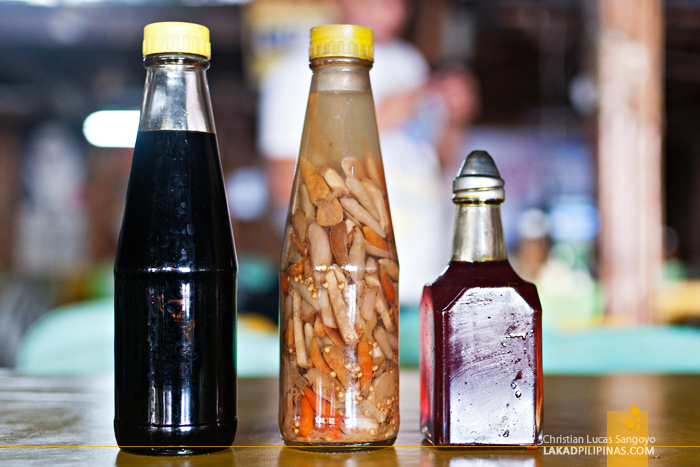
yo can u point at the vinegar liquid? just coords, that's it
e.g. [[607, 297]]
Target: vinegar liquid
[[340, 125], [175, 300], [481, 380]]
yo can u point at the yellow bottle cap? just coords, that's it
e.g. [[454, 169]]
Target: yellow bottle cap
[[341, 40], [174, 37]]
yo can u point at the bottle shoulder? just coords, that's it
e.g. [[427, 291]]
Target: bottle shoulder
[[481, 274], [463, 277], [176, 214]]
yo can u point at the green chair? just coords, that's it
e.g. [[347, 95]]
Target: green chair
[[79, 340]]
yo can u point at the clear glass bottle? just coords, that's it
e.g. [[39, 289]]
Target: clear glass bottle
[[175, 269], [481, 329], [339, 270]]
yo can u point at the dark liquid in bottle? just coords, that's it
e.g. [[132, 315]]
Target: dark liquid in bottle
[[481, 377], [175, 298]]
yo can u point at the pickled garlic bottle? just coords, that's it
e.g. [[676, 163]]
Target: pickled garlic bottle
[[175, 270], [481, 360], [339, 270]]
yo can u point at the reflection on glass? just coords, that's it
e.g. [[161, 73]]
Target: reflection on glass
[[309, 458], [436, 457], [221, 458], [497, 461]]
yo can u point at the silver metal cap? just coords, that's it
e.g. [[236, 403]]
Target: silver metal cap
[[478, 180]]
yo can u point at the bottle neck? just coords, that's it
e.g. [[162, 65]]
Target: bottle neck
[[176, 94], [478, 233], [340, 74]]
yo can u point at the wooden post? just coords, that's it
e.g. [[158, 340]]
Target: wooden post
[[9, 190], [630, 128]]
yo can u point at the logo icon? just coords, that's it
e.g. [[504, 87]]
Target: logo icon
[[628, 437], [634, 419]]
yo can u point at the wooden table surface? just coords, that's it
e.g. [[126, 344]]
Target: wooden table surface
[[68, 421]]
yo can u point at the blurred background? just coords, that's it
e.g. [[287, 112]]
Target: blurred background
[[588, 108]]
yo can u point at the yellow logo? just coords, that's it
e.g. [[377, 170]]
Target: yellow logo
[[634, 419], [628, 438]]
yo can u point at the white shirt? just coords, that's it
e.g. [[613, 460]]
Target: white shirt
[[284, 90]]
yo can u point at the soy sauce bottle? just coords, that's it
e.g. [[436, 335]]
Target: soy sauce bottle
[[175, 269], [481, 329]]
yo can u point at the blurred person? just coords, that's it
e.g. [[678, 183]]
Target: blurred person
[[460, 93], [532, 250], [420, 120]]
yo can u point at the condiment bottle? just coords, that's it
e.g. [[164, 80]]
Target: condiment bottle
[[481, 359], [339, 270], [175, 269]]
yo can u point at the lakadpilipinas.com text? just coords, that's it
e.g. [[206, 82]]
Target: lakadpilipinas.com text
[[598, 445]]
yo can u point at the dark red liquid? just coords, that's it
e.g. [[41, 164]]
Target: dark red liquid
[[175, 300], [481, 360]]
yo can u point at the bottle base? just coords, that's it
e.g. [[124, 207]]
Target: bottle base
[[341, 447], [184, 440], [480, 445]]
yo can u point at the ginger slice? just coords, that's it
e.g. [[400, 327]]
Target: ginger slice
[[340, 276], [378, 356], [315, 184], [371, 165], [367, 406], [299, 223], [372, 280], [324, 385], [319, 247], [339, 243], [383, 311], [355, 211], [381, 337], [374, 239], [306, 311], [379, 202], [368, 301], [378, 252], [334, 180], [356, 257], [387, 286], [329, 213], [371, 266], [357, 188], [390, 267], [334, 337], [335, 358], [384, 388], [298, 245], [299, 341], [345, 326], [318, 327], [317, 359], [326, 312], [289, 334], [305, 204], [296, 378], [301, 289], [308, 335], [370, 324], [393, 340], [353, 168]]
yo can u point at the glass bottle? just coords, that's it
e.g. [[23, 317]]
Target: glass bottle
[[175, 269], [339, 270], [481, 341]]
